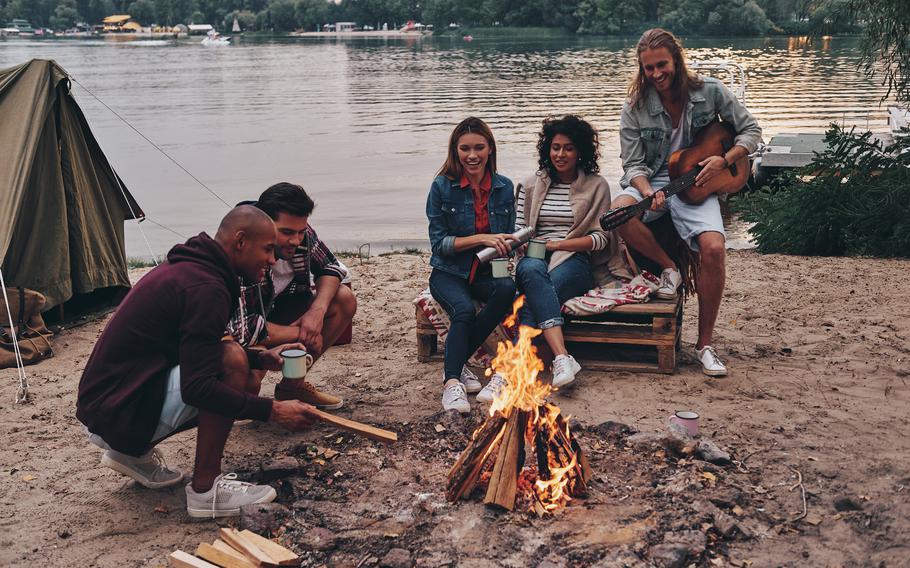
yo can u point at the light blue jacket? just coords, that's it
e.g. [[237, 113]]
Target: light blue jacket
[[450, 211], [644, 130]]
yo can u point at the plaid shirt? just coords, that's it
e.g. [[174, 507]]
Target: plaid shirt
[[312, 260]]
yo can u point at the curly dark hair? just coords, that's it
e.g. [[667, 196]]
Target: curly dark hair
[[582, 135]]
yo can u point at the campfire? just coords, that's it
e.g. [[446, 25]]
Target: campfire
[[524, 451]]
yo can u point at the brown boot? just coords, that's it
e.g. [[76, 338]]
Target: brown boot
[[305, 392]]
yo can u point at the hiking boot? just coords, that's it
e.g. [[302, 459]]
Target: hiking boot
[[226, 497], [470, 381], [670, 279], [454, 397], [298, 389], [493, 388], [711, 364], [148, 470], [564, 369]]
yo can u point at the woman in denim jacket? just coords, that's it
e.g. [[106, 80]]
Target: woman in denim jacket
[[469, 207], [667, 107]]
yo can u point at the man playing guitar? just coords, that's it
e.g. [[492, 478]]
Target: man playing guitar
[[667, 107]]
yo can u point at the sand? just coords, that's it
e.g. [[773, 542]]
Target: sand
[[819, 359]]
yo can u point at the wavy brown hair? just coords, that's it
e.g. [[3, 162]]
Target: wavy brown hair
[[472, 125], [582, 135], [683, 80]]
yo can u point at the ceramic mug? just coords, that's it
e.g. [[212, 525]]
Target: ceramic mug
[[500, 267], [296, 363], [687, 419], [537, 248]]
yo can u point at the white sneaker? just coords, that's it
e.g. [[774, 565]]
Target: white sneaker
[[149, 470], [493, 388], [454, 397], [226, 497], [470, 381], [564, 369], [670, 279], [711, 364]]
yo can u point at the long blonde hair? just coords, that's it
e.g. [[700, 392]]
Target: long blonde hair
[[452, 168], [683, 81]]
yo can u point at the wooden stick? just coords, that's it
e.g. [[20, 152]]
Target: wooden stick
[[509, 461], [282, 555], [464, 474], [245, 547], [223, 558], [359, 428], [180, 559]]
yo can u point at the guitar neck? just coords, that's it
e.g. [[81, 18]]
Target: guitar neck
[[678, 185]]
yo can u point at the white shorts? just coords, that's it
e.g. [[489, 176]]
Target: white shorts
[[689, 220], [175, 413]]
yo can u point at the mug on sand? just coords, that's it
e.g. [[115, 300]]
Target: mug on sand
[[537, 248], [296, 363], [687, 419]]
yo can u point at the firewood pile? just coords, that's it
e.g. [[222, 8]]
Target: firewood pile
[[236, 549], [521, 425]]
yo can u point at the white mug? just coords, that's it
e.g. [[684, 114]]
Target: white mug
[[537, 248], [500, 267], [687, 419], [296, 363]]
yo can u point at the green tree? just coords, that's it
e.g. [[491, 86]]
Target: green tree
[[885, 43], [284, 18], [609, 16], [245, 18], [311, 14], [143, 11], [66, 15]]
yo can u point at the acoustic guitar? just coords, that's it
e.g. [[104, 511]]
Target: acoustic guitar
[[715, 139]]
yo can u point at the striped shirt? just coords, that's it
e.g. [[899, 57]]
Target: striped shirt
[[555, 217]]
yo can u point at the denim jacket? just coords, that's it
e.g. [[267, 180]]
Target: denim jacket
[[644, 130], [450, 211]]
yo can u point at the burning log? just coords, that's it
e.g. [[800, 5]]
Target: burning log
[[519, 413], [503, 484], [464, 474]]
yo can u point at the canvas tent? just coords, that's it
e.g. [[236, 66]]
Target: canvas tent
[[62, 206]]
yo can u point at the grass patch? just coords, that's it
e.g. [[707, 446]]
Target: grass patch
[[136, 262]]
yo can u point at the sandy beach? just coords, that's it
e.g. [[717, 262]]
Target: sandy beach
[[815, 407]]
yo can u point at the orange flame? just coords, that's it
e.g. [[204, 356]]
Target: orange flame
[[520, 366]]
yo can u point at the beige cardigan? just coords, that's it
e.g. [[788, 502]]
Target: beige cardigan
[[589, 197]]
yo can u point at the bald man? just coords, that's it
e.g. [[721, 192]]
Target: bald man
[[162, 366]]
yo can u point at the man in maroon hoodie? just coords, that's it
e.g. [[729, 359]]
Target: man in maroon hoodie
[[162, 365]]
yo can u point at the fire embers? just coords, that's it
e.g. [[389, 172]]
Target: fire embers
[[521, 419]]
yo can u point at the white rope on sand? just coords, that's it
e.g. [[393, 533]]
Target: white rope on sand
[[22, 393]]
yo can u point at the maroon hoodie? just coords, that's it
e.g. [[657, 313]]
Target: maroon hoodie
[[175, 315]]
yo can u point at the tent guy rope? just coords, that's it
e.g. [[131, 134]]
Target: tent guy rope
[[22, 393]]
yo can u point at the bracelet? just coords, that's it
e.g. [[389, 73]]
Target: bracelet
[[726, 163]]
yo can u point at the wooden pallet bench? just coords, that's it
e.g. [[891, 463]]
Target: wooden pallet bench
[[632, 337]]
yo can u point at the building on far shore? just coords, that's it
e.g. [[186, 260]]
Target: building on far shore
[[120, 23]]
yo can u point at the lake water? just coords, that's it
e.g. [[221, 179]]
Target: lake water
[[363, 124]]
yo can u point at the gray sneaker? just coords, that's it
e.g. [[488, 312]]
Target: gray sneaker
[[150, 470], [493, 388], [226, 497], [470, 381]]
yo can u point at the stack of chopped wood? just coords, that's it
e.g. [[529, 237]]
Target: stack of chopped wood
[[499, 446], [236, 549]]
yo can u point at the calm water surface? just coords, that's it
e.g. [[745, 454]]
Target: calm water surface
[[363, 124]]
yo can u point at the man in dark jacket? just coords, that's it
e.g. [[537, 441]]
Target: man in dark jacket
[[162, 365]]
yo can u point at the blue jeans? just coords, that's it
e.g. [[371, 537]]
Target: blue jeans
[[469, 329], [545, 291]]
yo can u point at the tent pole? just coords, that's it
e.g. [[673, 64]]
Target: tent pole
[[22, 394]]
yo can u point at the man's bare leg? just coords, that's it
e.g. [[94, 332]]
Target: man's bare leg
[[639, 237], [711, 279], [213, 429]]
